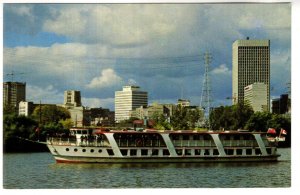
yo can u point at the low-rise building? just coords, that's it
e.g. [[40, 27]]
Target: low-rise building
[[26, 108], [281, 105], [256, 95]]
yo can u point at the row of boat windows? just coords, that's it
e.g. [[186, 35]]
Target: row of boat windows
[[175, 136], [186, 152], [84, 150]]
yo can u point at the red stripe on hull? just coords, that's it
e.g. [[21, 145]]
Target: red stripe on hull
[[67, 161]]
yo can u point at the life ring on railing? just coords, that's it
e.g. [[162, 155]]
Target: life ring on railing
[[139, 142]]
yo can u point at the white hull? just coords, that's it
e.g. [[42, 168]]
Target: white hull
[[70, 159]]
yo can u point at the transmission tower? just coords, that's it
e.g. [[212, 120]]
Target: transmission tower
[[205, 102]]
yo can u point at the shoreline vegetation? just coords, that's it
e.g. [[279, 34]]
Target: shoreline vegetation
[[54, 120]]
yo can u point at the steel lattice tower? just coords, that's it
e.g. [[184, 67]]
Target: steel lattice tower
[[205, 102]]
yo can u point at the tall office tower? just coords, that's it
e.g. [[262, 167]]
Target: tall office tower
[[127, 100], [256, 96], [13, 94], [250, 64], [72, 98]]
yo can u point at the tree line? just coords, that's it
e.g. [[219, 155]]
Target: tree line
[[45, 120], [50, 119]]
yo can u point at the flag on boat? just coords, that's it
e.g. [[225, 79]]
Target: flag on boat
[[271, 131], [283, 132]]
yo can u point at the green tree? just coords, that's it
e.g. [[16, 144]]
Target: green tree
[[241, 113], [279, 121], [67, 123], [178, 119], [193, 116], [230, 117], [16, 128], [259, 121], [161, 121], [50, 114]]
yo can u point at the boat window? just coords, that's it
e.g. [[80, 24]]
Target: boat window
[[133, 152], [196, 137], [206, 152], [154, 152], [248, 151], [166, 152], [215, 152], [83, 150], [229, 151], [257, 151], [75, 150], [84, 131], [185, 137], [197, 151], [225, 137], [188, 152], [174, 137], [179, 151], [124, 152], [110, 152], [67, 149], [239, 151], [144, 152], [207, 137], [92, 150], [99, 150], [78, 132], [269, 151], [248, 137]]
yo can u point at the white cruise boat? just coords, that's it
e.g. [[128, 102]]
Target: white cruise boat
[[85, 145]]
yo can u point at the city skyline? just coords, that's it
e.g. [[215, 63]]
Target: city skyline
[[97, 49]]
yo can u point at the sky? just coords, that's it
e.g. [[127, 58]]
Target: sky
[[98, 48]]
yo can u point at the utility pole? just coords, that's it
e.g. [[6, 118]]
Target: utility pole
[[206, 99]]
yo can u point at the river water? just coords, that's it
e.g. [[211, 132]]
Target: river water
[[39, 171]]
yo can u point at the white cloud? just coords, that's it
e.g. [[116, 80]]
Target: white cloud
[[46, 94], [98, 102], [22, 10], [107, 78], [222, 69], [101, 34]]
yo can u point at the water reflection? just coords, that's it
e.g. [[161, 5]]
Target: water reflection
[[158, 165]]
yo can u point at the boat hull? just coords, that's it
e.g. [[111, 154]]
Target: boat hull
[[76, 159], [163, 147]]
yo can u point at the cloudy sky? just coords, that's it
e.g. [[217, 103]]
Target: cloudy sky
[[98, 48]]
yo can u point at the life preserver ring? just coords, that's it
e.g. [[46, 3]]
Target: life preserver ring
[[139, 142]]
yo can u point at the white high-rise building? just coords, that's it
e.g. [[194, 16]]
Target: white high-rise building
[[256, 96], [127, 100], [250, 64]]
